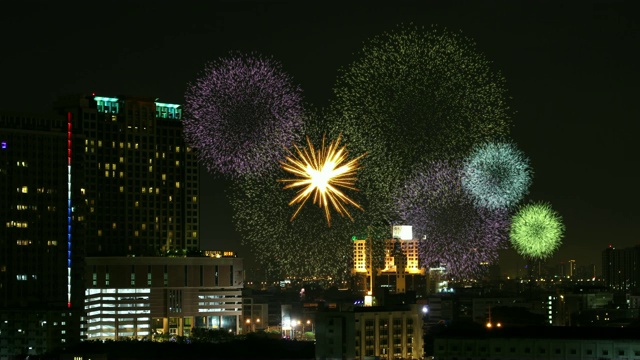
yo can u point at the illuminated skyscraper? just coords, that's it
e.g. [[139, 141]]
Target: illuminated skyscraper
[[41, 232], [100, 176], [141, 180], [38, 220]]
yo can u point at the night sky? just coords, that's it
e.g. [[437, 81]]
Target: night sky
[[571, 69]]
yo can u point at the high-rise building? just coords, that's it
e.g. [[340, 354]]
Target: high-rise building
[[621, 268], [140, 183], [41, 233], [98, 176]]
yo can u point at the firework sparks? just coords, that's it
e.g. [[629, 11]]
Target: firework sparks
[[412, 95], [536, 230], [321, 173], [497, 175], [239, 112], [457, 234]]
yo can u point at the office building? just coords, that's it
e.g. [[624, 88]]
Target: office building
[[41, 237], [140, 183], [139, 297], [621, 268], [385, 332], [100, 176]]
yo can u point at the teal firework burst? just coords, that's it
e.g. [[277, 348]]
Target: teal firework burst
[[497, 175], [536, 230]]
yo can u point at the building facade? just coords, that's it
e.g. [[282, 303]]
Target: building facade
[[621, 268], [139, 297], [538, 343], [140, 184], [42, 234], [385, 332]]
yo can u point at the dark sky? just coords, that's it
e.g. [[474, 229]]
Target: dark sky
[[571, 69]]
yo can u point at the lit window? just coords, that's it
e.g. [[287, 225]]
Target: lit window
[[24, 189], [177, 184], [52, 243]]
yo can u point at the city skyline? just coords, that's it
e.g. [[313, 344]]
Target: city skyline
[[569, 70]]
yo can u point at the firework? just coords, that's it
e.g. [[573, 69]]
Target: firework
[[240, 113], [455, 233], [536, 230], [414, 95], [497, 175], [322, 173], [306, 246]]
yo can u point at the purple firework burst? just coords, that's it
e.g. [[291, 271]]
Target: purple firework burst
[[241, 114], [457, 235]]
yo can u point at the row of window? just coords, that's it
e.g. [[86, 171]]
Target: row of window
[[528, 350]]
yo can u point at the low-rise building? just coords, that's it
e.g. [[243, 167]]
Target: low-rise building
[[385, 332], [547, 342], [138, 297]]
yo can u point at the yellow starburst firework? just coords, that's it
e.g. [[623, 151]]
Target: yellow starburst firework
[[321, 172]]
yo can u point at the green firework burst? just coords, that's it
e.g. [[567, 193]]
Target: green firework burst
[[414, 95], [536, 230]]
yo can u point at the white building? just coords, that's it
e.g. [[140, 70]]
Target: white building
[[138, 297]]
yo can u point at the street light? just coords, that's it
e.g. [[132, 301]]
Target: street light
[[309, 322]]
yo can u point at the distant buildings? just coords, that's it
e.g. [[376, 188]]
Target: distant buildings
[[621, 268], [537, 343]]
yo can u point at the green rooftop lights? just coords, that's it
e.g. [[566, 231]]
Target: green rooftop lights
[[102, 98]]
